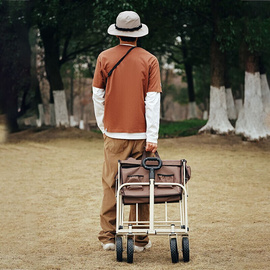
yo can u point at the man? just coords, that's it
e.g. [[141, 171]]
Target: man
[[127, 113]]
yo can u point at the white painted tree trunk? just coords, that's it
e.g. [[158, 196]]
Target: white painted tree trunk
[[72, 121], [40, 120], [205, 115], [250, 122], [192, 110], [265, 92], [218, 119], [60, 106], [81, 125], [238, 106], [266, 101], [231, 110], [52, 114]]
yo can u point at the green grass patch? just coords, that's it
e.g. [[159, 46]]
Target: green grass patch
[[180, 129], [176, 129]]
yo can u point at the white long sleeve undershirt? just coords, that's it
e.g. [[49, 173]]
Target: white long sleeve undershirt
[[152, 115]]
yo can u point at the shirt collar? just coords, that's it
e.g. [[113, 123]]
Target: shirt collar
[[125, 44]]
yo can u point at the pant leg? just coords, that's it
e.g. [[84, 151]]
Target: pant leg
[[107, 213], [114, 150]]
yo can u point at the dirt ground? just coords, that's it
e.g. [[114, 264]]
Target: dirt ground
[[50, 194]]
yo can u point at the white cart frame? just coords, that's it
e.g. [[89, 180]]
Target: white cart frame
[[178, 227]]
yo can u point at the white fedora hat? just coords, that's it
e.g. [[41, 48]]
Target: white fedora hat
[[128, 24]]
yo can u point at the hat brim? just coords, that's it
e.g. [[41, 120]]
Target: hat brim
[[138, 33]]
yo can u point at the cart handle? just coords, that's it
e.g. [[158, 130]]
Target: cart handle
[[150, 167]]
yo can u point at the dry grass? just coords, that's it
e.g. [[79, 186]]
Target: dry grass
[[51, 193]]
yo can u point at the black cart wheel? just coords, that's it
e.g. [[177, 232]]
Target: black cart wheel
[[119, 249], [130, 250], [185, 249], [174, 250]]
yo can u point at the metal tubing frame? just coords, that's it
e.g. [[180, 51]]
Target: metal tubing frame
[[151, 206], [152, 230]]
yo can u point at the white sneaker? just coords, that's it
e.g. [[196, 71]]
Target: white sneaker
[[108, 246], [140, 249]]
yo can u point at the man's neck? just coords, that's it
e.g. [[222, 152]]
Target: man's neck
[[131, 43]]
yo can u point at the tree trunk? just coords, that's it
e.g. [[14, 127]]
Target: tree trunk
[[24, 61], [217, 65], [266, 102], [12, 110], [251, 118], [52, 64], [37, 102], [50, 41], [71, 103], [9, 100], [192, 108], [265, 92], [34, 76], [15, 65], [231, 110], [218, 119], [192, 112], [71, 91], [164, 90]]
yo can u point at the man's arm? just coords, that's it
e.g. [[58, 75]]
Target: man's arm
[[152, 115], [98, 100]]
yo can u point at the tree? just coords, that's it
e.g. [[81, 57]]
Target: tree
[[181, 38], [218, 119], [193, 29], [252, 120], [265, 94], [15, 59], [71, 29], [66, 31]]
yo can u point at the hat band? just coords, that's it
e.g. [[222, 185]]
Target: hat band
[[128, 29]]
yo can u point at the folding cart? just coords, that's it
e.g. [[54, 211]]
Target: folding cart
[[152, 181]]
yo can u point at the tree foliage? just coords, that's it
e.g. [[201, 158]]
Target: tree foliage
[[77, 31], [15, 62]]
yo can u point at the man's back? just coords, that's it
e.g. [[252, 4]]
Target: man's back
[[127, 87]]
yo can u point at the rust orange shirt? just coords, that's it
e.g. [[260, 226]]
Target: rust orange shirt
[[126, 88]]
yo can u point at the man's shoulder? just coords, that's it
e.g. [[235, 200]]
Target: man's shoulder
[[146, 53], [108, 51], [147, 56]]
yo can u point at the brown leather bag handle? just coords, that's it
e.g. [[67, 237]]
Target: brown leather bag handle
[[144, 155]]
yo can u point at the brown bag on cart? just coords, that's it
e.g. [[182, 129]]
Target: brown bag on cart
[[171, 171]]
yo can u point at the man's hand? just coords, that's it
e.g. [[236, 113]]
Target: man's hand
[[151, 147]]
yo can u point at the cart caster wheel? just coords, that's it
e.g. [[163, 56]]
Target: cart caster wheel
[[119, 249], [130, 250], [174, 250], [185, 249]]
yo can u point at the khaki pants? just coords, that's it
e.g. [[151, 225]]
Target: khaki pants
[[114, 150]]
